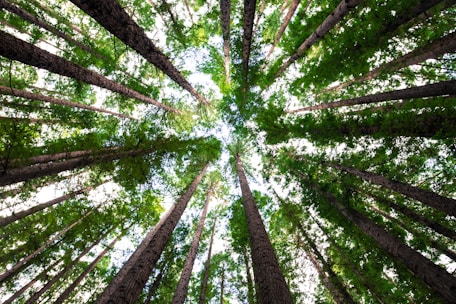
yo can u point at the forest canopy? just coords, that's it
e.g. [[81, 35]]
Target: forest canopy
[[227, 151]]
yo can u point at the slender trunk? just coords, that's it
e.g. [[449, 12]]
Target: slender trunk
[[131, 281], [67, 267], [258, 18], [14, 269], [336, 16], [111, 15], [432, 275], [249, 15], [29, 172], [429, 90], [434, 50], [222, 286], [154, 286], [182, 286], [427, 197], [294, 5], [32, 55], [15, 216], [225, 7], [248, 273], [207, 266], [32, 19], [189, 11], [64, 296], [62, 102], [268, 275]]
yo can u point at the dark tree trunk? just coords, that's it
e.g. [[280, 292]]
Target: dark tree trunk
[[133, 276], [336, 16], [249, 16], [268, 275], [207, 267], [32, 55], [154, 286], [429, 90], [225, 7], [429, 198], [33, 96], [111, 15], [182, 286]]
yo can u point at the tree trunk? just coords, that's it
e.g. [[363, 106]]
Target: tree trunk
[[111, 15], [130, 282], [182, 286], [24, 213], [268, 275], [429, 198], [189, 11], [434, 50], [431, 274], [222, 286], [336, 16], [64, 296], [248, 274], [32, 55], [260, 13], [225, 7], [249, 16], [62, 102], [207, 266], [154, 286], [429, 90], [67, 267], [14, 269], [29, 172]]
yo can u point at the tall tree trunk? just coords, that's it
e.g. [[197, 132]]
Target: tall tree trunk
[[189, 11], [207, 267], [258, 18], [111, 15], [62, 102], [32, 19], [268, 275], [294, 5], [434, 50], [427, 197], [248, 274], [32, 55], [430, 90], [130, 282], [225, 7], [431, 274], [249, 16], [15, 216], [154, 286], [67, 267], [14, 269], [29, 172], [336, 16], [64, 296], [182, 286]]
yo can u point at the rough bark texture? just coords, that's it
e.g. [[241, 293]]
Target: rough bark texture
[[336, 15], [29, 172], [154, 286], [268, 275], [429, 198], [249, 16], [429, 90], [62, 102], [225, 7], [86, 271], [11, 271], [111, 15], [431, 274], [32, 55], [182, 286], [128, 289], [434, 50], [207, 267]]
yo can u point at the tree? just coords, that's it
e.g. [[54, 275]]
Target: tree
[[225, 7], [271, 283], [207, 265]]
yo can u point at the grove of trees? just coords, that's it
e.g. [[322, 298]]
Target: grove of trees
[[228, 151]]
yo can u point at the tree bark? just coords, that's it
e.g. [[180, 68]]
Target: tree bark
[[207, 267], [154, 286], [430, 90], [248, 273], [434, 50], [111, 15], [225, 7], [64, 296], [182, 286], [133, 276], [62, 102], [336, 16], [249, 16], [431, 199], [32, 55], [268, 275]]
